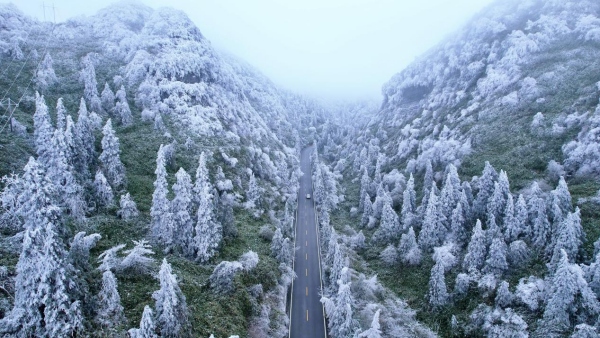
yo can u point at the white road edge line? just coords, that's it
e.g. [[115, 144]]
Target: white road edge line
[[294, 257]]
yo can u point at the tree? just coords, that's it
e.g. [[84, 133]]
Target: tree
[[42, 130], [44, 75], [162, 218], [450, 194], [110, 312], [147, 327], [110, 157], [108, 99], [438, 294], [128, 208], [171, 308], [104, 192], [84, 142], [365, 184], [339, 311], [498, 199], [584, 331], [137, 260], [486, 189], [409, 204], [88, 77], [570, 237], [458, 231], [432, 231], [496, 261], [505, 323], [538, 219], [389, 255], [254, 192], [512, 229], [122, 108], [563, 195], [61, 115], [409, 250], [367, 211], [221, 280], [503, 296], [389, 229], [476, 250], [522, 216], [208, 233], [374, 331], [181, 206]]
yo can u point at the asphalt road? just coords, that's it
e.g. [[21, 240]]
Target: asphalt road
[[307, 318]]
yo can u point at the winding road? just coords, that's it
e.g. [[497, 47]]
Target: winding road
[[306, 314]]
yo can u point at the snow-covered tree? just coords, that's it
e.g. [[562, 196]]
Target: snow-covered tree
[[340, 310], [505, 323], [61, 116], [122, 107], [389, 255], [104, 192], [147, 327], [110, 157], [365, 183], [162, 218], [409, 204], [389, 228], [522, 216], [375, 330], [433, 230], [538, 219], [128, 208], [84, 142], [109, 260], [450, 194], [486, 189], [42, 130], [584, 331], [496, 259], [108, 99], [172, 316], [137, 259], [569, 238], [438, 294], [497, 201], [208, 233], [110, 312], [88, 77], [564, 196], [458, 230], [476, 250], [44, 75], [367, 211], [221, 280], [254, 193], [409, 250], [181, 207], [503, 296]]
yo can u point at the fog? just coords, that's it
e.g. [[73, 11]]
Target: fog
[[333, 49]]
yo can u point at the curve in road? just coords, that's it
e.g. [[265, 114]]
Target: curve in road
[[306, 314]]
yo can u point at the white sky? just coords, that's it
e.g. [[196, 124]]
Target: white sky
[[335, 49]]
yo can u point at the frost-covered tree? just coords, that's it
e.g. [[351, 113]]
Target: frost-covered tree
[[433, 230], [253, 195], [486, 189], [108, 99], [367, 211], [450, 194], [42, 130], [518, 253], [221, 280], [409, 204], [122, 107], [209, 233], [476, 250], [389, 228], [540, 227], [427, 181], [505, 323], [162, 218], [375, 330], [110, 312], [109, 260], [104, 192], [409, 250], [137, 259], [128, 208], [181, 207], [564, 196], [522, 216], [61, 116], [389, 255], [496, 259], [512, 229], [458, 230], [147, 327], [340, 310], [110, 157], [503, 296], [87, 75], [44, 75], [84, 142], [584, 331], [497, 201], [172, 317], [569, 238], [438, 294]]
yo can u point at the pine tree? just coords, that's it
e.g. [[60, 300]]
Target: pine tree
[[208, 233], [427, 179], [458, 231], [389, 229], [162, 218], [181, 206], [61, 115], [538, 219], [450, 194], [409, 204], [122, 107], [110, 157], [137, 260], [570, 237], [564, 197], [42, 130], [367, 211], [522, 216], [433, 230], [374, 331], [221, 280], [498, 200], [110, 312], [84, 142], [476, 250], [496, 261], [512, 229], [584, 331], [147, 327], [254, 193], [339, 311], [503, 296], [438, 294], [108, 99], [88, 77], [171, 308], [409, 250], [128, 208], [365, 183], [44, 75], [104, 192], [486, 189]]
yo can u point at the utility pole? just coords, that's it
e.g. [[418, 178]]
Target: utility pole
[[8, 104], [53, 11]]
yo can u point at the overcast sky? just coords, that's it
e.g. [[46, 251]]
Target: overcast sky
[[338, 49]]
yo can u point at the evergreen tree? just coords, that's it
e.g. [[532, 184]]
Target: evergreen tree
[[110, 312], [427, 179], [438, 294], [61, 115], [538, 219], [42, 130], [374, 331], [365, 183], [458, 231], [44, 75], [409, 250], [147, 327], [564, 197], [476, 250], [409, 204], [503, 296], [486, 189], [84, 142], [181, 207], [88, 77], [570, 237], [128, 208], [254, 193], [108, 99], [110, 157], [512, 229], [389, 229], [496, 261], [171, 308], [450, 194], [162, 218], [433, 230], [208, 233], [340, 311], [104, 193], [584, 331], [138, 260], [367, 211], [498, 200], [522, 216], [122, 108]]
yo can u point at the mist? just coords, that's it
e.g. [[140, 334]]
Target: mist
[[335, 50]]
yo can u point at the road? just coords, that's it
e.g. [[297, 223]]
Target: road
[[306, 317]]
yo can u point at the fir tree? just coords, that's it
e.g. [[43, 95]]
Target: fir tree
[[409, 250], [538, 219], [42, 130], [110, 312], [374, 331], [61, 115], [486, 189], [570, 237], [389, 229], [367, 211], [208, 233], [433, 230], [340, 311], [427, 179], [503, 296], [221, 280], [110, 157], [564, 197], [181, 206], [450, 195], [88, 77], [522, 216], [409, 201], [496, 261], [171, 308], [162, 218], [83, 142], [44, 75], [104, 193], [365, 183], [438, 294], [137, 260], [512, 229], [254, 193], [458, 231], [122, 107], [108, 99], [498, 200], [147, 327], [128, 208], [476, 250]]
